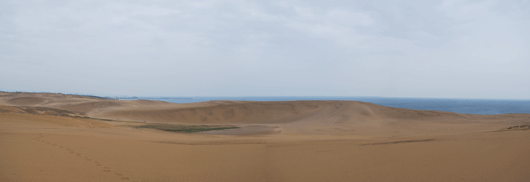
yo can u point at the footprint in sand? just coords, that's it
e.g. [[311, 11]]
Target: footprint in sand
[[107, 169], [122, 176]]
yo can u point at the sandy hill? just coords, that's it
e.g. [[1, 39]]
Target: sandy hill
[[309, 117]]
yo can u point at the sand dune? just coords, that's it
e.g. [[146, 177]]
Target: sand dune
[[351, 118], [222, 112], [54, 137], [318, 117], [25, 101], [89, 106]]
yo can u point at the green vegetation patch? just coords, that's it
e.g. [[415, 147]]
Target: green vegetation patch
[[96, 119], [522, 127], [185, 128]]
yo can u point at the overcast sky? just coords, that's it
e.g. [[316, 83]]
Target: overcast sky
[[389, 48]]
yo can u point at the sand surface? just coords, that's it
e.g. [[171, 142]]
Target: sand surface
[[48, 137]]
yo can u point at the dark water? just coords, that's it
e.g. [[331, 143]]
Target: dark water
[[466, 106]]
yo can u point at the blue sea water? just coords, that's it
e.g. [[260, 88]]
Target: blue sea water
[[465, 106]]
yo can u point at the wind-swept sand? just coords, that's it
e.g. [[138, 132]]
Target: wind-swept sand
[[43, 137]]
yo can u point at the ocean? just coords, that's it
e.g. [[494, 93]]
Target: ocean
[[465, 106]]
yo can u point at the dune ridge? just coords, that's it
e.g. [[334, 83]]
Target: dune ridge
[[308, 117]]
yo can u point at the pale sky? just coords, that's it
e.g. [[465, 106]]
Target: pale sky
[[388, 48]]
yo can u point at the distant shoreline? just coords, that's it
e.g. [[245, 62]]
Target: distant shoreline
[[463, 106]]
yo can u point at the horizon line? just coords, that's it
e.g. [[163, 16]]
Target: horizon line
[[191, 97]]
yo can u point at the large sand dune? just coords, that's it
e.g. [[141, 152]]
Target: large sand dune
[[54, 137]]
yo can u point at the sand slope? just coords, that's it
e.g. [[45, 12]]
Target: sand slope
[[350, 118], [25, 101], [315, 141]]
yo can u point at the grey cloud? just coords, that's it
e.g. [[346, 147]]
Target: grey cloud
[[237, 48]]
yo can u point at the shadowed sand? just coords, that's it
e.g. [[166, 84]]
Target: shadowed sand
[[45, 138]]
